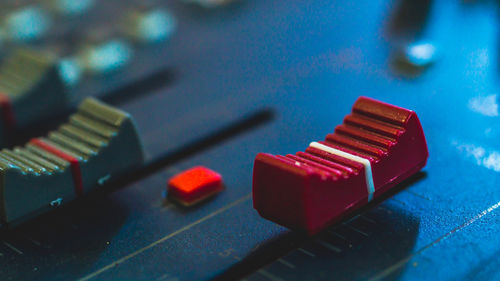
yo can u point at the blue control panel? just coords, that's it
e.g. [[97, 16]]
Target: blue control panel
[[218, 83]]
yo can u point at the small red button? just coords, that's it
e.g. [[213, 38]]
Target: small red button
[[194, 185]]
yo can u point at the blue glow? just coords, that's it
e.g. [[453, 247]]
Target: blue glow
[[487, 106], [74, 7], [421, 54], [488, 159], [28, 23], [109, 56], [156, 26], [70, 71]]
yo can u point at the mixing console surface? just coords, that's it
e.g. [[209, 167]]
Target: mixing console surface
[[214, 83]]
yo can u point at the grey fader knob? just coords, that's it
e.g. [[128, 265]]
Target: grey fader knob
[[31, 88], [97, 143]]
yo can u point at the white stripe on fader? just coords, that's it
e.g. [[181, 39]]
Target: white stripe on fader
[[368, 167]]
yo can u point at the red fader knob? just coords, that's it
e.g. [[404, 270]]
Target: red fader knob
[[378, 146]]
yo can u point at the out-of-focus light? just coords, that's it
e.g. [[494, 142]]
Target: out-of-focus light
[[27, 23], [157, 25], [420, 54], [487, 106], [70, 71], [152, 26], [492, 161], [487, 159], [109, 56], [74, 7]]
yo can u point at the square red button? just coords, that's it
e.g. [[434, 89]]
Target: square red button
[[194, 185]]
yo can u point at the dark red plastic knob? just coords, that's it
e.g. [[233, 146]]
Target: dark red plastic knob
[[378, 146]]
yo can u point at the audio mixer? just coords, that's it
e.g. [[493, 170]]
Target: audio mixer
[[154, 140]]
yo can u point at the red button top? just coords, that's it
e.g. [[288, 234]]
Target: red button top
[[194, 185]]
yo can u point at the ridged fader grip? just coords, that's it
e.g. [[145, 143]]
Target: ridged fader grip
[[378, 146], [97, 143], [31, 88]]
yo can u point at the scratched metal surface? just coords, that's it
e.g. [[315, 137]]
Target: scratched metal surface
[[308, 62]]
